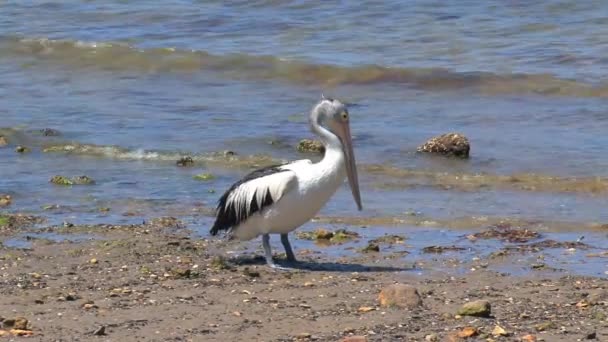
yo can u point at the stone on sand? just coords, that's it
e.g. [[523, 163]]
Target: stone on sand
[[450, 144], [478, 308], [401, 296]]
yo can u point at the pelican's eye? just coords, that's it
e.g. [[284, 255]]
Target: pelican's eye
[[344, 116]]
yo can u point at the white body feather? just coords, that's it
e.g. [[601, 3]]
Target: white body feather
[[298, 195]]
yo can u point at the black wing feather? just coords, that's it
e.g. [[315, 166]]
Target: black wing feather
[[228, 216]]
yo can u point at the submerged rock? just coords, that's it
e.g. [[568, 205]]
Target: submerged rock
[[325, 236], [78, 180], [204, 177], [61, 180], [401, 296], [311, 146], [478, 308], [185, 161], [371, 247], [450, 144], [83, 180], [3, 141], [49, 132], [22, 149]]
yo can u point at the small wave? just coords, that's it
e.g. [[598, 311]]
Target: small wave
[[225, 158], [124, 57], [404, 178]]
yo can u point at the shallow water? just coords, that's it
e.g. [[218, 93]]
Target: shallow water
[[140, 84]]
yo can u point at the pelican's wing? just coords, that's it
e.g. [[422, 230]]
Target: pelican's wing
[[256, 191]]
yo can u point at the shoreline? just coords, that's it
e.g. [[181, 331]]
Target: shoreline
[[155, 282]]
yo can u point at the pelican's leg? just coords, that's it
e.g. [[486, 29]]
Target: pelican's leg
[[268, 253], [288, 251]]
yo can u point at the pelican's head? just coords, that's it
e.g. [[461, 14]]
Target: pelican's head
[[332, 115]]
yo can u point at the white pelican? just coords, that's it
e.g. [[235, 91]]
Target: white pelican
[[280, 198]]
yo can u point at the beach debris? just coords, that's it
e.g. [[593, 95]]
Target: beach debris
[[19, 323], [185, 161], [250, 273], [3, 141], [167, 222], [364, 309], [220, 263], [5, 200], [431, 338], [101, 331], [499, 331], [543, 326], [467, 332], [83, 180], [78, 180], [528, 338], [310, 146], [449, 144], [323, 235], [61, 180], [507, 233], [598, 297], [50, 132], [371, 247], [22, 149], [477, 308], [204, 177], [441, 249], [401, 296], [356, 338], [389, 239]]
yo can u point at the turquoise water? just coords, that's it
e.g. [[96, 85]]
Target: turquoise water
[[145, 83]]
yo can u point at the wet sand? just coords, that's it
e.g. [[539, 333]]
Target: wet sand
[[156, 282]]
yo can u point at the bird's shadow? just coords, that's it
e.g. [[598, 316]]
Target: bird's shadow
[[327, 266]]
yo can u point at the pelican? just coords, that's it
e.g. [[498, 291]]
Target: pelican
[[278, 199]]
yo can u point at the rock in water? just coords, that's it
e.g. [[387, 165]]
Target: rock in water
[[401, 296], [308, 145], [478, 308], [3, 141], [450, 144]]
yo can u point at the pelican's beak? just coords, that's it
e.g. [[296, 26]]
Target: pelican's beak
[[351, 166]]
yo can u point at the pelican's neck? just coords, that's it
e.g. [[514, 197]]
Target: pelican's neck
[[334, 154]]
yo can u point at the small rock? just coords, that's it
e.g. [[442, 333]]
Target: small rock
[[528, 338], [22, 149], [308, 145], [598, 297], [49, 132], [355, 339], [365, 309], [400, 295], [61, 180], [323, 234], [591, 336], [19, 323], [431, 338], [371, 247], [303, 335], [478, 308], [250, 273], [3, 141], [499, 331], [451, 144], [467, 332], [544, 326], [83, 180], [93, 261], [101, 331], [185, 161], [5, 200]]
